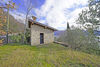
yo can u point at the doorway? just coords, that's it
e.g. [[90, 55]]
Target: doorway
[[41, 38]]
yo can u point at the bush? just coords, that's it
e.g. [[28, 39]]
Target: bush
[[78, 39], [17, 38], [21, 37]]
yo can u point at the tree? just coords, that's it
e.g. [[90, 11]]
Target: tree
[[29, 8], [81, 40], [8, 6], [89, 19], [91, 14], [2, 22], [68, 27]]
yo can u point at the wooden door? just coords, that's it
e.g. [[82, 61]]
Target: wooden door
[[41, 38]]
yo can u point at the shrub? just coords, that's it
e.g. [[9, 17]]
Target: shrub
[[16, 38], [78, 39]]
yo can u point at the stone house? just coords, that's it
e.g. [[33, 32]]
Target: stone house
[[40, 33]]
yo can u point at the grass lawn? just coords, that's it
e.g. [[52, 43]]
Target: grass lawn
[[51, 55]]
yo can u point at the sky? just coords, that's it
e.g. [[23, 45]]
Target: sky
[[55, 13]]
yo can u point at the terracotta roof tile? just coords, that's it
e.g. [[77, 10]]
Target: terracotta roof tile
[[40, 24]]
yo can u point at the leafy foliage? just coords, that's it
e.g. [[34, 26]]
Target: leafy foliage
[[91, 14], [68, 27], [78, 39], [2, 22], [17, 38], [8, 22], [89, 18], [27, 36]]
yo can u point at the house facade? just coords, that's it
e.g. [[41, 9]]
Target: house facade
[[40, 33]]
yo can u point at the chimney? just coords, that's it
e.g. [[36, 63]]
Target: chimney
[[34, 18]]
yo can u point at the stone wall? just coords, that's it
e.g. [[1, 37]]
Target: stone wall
[[35, 34]]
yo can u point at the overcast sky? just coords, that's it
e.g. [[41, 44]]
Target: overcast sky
[[55, 13]]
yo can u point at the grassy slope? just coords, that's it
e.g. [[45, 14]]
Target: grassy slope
[[52, 55]]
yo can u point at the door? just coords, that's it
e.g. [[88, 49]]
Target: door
[[41, 38]]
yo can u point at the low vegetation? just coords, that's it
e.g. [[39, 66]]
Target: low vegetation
[[51, 55], [81, 40]]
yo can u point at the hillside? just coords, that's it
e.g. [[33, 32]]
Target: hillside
[[16, 26], [51, 55], [58, 33]]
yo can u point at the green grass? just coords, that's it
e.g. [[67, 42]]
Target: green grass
[[51, 55]]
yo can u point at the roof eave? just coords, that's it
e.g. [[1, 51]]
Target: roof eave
[[42, 25]]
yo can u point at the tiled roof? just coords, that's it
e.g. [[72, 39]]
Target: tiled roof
[[43, 25]]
